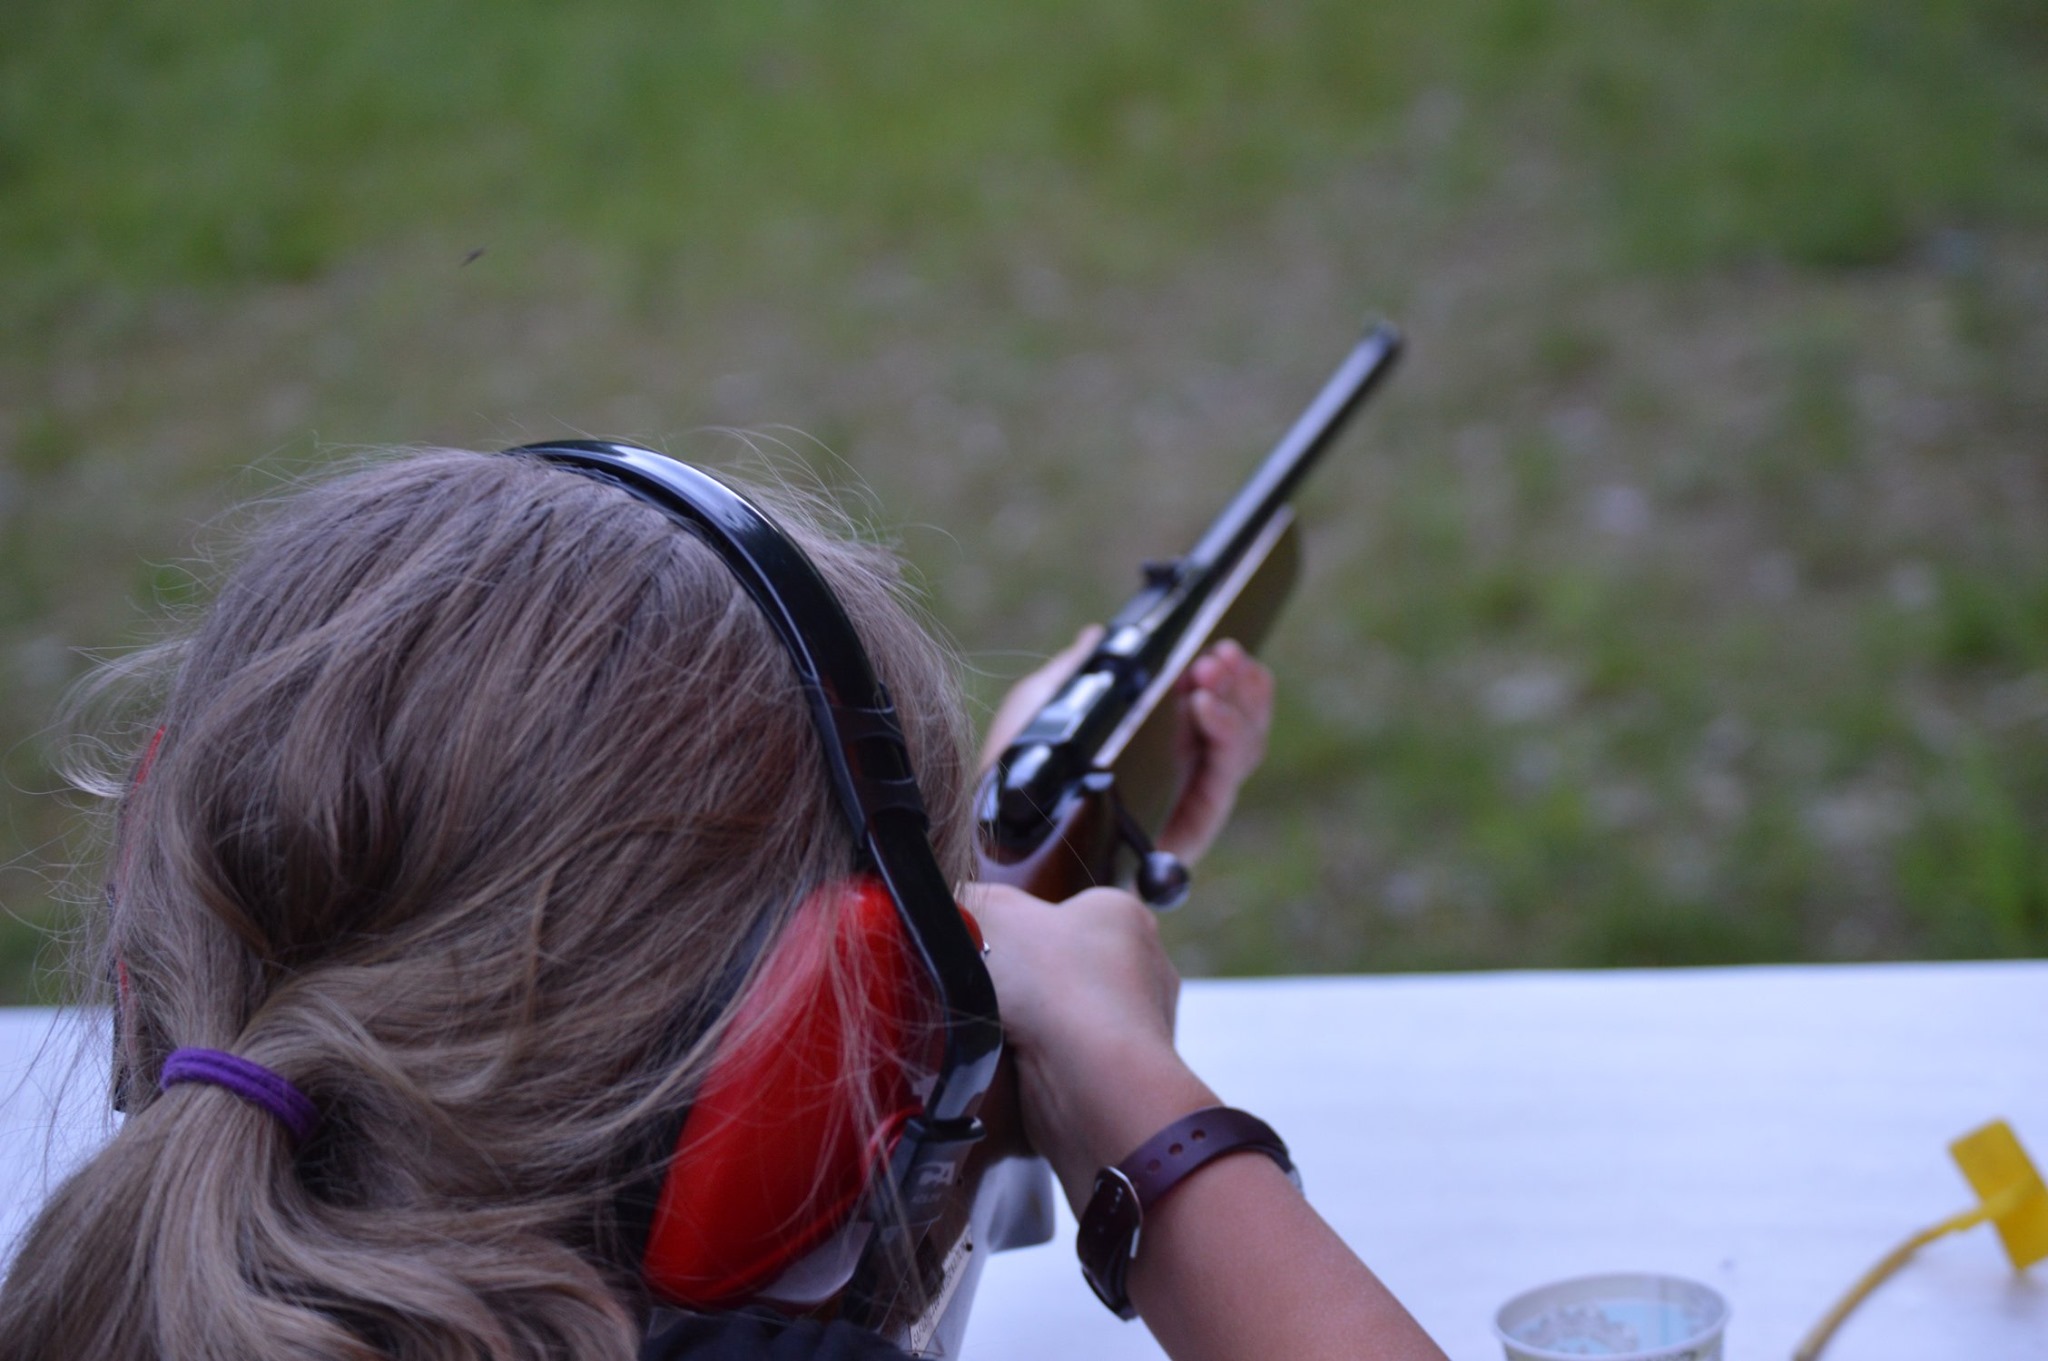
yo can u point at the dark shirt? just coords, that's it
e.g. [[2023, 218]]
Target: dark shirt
[[759, 1337]]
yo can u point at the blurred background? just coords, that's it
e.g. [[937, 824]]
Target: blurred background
[[1683, 600]]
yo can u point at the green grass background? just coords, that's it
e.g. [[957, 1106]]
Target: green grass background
[[1685, 600]]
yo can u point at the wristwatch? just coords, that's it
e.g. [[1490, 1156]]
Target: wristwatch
[[1115, 1215]]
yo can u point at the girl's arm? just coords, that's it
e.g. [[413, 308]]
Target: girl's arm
[[1234, 1264]]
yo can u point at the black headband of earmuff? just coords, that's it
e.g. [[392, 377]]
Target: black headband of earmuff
[[869, 766]]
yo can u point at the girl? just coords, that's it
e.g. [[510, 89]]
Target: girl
[[464, 825]]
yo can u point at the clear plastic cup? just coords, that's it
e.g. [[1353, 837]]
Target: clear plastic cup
[[1623, 1316]]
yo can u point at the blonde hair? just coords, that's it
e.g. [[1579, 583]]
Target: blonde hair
[[471, 787]]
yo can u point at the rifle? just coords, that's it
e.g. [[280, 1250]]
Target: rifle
[[1075, 798]]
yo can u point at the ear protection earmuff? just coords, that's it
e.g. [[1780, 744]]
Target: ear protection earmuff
[[771, 1158], [769, 1162]]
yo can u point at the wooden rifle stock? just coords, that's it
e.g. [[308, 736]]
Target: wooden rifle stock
[[1076, 799]]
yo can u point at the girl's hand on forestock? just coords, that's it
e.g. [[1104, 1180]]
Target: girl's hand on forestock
[[1226, 710]]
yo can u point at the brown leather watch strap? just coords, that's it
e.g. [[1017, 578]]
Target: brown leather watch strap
[[1115, 1213], [1164, 1159]]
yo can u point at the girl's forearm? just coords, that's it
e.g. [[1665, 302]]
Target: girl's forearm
[[1237, 1264]]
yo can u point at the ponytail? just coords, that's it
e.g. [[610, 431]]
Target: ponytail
[[194, 1234]]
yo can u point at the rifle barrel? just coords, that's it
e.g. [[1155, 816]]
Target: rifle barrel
[[1312, 432]]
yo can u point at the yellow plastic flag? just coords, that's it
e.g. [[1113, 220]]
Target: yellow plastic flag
[[2009, 1188], [2009, 1194]]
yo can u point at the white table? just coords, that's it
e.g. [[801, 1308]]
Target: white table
[[1769, 1131]]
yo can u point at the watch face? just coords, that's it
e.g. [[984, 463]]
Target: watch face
[[1109, 1237]]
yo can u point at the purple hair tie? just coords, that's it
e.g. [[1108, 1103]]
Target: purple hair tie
[[251, 1081]]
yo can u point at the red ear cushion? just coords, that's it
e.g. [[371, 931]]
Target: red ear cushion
[[776, 1153]]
